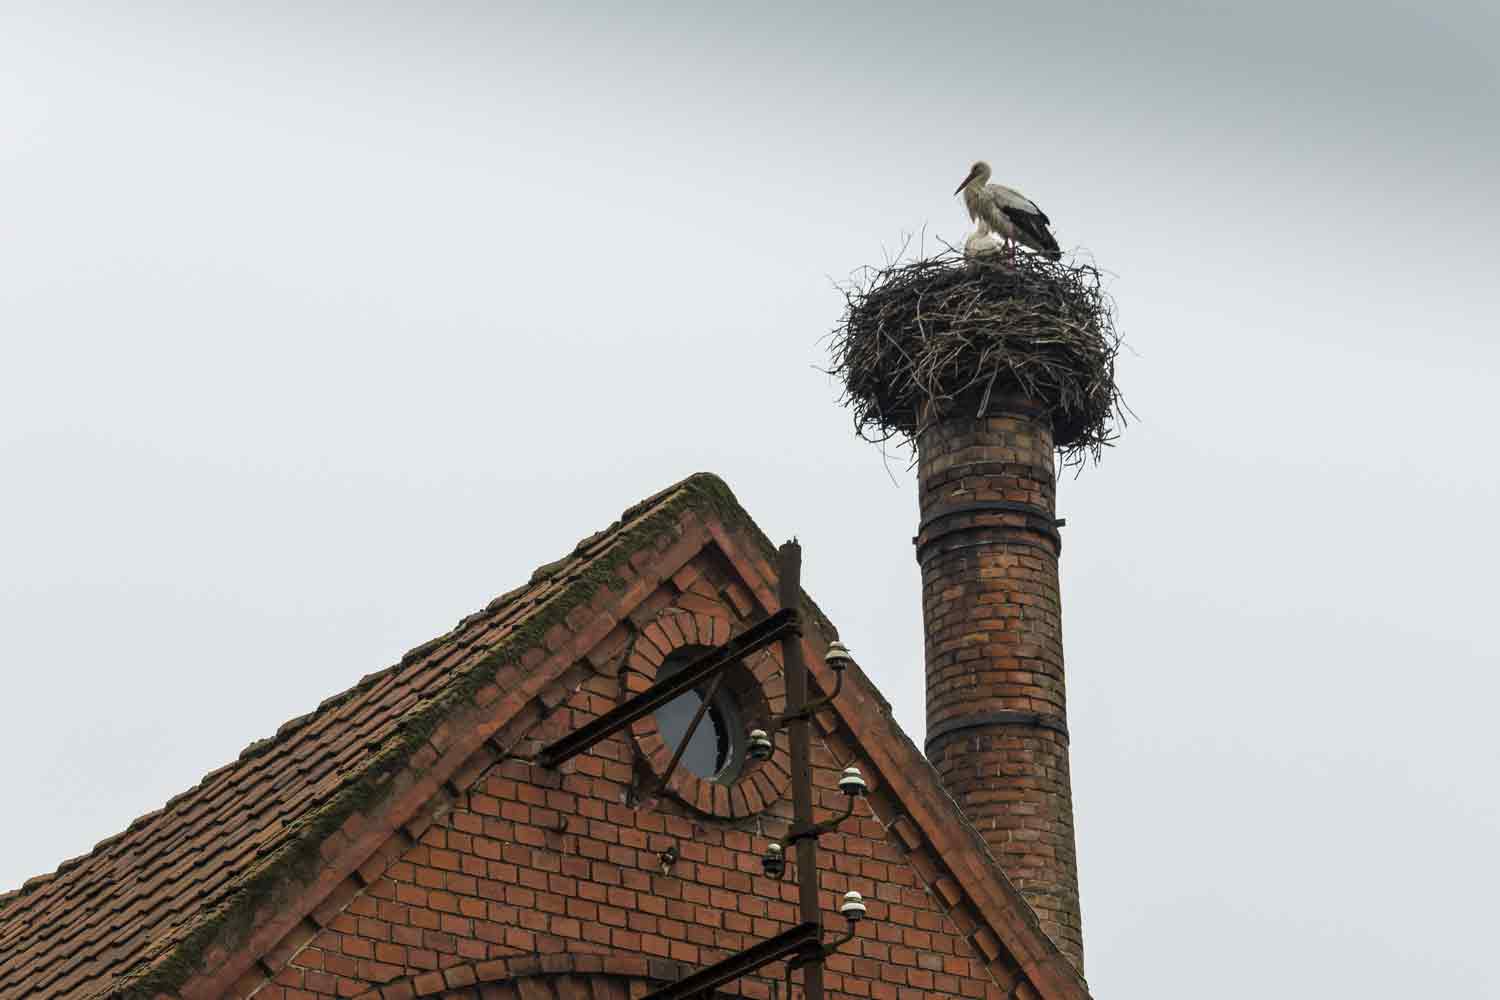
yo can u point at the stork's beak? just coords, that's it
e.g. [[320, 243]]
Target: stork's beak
[[972, 174]]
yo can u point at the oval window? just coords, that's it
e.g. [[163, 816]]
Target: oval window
[[716, 750]]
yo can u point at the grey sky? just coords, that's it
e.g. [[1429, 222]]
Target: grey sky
[[323, 324]]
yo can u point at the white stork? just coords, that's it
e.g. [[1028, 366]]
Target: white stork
[[982, 243], [1008, 213]]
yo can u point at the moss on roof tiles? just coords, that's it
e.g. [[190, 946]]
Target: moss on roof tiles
[[296, 859]]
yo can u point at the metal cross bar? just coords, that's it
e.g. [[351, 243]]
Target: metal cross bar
[[757, 636], [803, 938], [687, 737]]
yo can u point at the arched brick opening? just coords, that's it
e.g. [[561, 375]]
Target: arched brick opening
[[554, 977]]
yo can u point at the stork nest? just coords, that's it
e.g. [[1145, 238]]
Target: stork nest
[[945, 335]]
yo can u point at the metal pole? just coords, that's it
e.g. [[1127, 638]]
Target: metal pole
[[790, 572]]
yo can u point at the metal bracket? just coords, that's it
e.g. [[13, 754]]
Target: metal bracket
[[811, 708], [818, 829], [824, 950], [757, 636]]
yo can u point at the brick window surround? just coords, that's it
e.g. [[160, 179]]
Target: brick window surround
[[758, 692], [553, 977]]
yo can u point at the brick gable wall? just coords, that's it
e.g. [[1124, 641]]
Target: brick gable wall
[[522, 864]]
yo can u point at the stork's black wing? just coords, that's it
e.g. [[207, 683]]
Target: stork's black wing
[[1034, 233]]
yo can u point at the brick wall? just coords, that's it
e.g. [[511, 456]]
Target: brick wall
[[530, 865], [996, 711]]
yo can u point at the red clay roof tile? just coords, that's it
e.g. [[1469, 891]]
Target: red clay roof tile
[[83, 930]]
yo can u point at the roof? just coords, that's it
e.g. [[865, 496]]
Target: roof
[[174, 874], [147, 909]]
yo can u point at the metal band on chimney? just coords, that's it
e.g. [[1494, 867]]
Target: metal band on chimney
[[990, 506], [954, 727], [1038, 521]]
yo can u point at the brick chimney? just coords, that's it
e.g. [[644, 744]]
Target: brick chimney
[[996, 718]]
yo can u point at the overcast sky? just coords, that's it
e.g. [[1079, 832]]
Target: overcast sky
[[325, 323]]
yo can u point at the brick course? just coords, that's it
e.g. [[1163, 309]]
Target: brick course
[[994, 649]]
